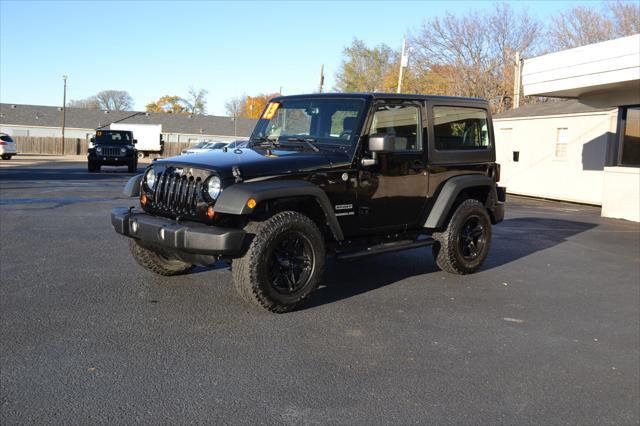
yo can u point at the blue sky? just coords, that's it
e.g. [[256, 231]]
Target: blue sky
[[228, 48]]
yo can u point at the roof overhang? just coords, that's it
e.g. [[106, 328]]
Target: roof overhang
[[610, 67]]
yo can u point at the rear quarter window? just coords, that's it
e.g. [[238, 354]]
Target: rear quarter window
[[460, 128], [6, 138]]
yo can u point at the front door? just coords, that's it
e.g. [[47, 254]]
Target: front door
[[393, 190]]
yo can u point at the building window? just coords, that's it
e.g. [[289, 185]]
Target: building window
[[630, 136], [561, 143]]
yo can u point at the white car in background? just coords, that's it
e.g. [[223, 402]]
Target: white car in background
[[7, 147], [204, 146]]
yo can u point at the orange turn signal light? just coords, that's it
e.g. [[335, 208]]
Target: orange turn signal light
[[143, 199], [251, 203], [271, 110], [210, 212]]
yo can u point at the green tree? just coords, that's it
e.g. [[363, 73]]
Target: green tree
[[364, 69]]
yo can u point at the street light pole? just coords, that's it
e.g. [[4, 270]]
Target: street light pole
[[64, 109]]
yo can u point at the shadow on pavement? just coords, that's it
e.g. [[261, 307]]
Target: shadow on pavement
[[513, 239], [62, 173]]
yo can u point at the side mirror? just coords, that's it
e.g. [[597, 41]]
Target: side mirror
[[92, 140], [135, 141], [379, 143]]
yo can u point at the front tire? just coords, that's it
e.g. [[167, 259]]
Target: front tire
[[283, 264], [155, 262], [464, 244], [92, 167], [133, 167]]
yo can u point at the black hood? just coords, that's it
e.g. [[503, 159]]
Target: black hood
[[257, 162]]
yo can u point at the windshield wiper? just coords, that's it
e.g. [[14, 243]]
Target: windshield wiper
[[309, 141], [261, 139]]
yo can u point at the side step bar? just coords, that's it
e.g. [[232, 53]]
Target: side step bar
[[385, 248]]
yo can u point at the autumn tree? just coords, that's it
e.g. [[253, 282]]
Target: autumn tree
[[195, 103], [254, 105], [586, 24], [113, 100], [168, 104], [364, 69]]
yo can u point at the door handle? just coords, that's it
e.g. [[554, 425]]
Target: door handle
[[417, 166]]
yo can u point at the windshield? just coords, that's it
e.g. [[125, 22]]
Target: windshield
[[112, 137], [216, 145], [329, 122], [200, 144]]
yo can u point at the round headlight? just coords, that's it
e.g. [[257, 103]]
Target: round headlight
[[98, 150], [123, 150], [214, 186], [150, 178]]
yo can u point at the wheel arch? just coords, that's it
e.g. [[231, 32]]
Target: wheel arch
[[480, 187], [301, 194]]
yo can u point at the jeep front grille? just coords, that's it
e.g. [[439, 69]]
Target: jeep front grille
[[176, 194], [111, 151]]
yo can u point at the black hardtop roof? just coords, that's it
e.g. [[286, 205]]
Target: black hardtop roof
[[380, 95], [100, 129]]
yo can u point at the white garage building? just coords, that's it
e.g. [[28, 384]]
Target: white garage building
[[586, 149]]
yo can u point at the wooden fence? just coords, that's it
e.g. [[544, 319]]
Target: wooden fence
[[76, 146]]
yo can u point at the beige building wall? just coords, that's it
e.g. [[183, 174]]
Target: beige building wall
[[560, 157]]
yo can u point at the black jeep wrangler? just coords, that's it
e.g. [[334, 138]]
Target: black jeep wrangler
[[349, 175], [112, 148]]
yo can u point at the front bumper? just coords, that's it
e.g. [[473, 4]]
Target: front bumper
[[112, 161], [189, 237]]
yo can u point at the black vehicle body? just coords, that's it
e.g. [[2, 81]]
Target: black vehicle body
[[362, 202], [113, 148]]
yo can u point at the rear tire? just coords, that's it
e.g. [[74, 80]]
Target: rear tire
[[155, 262], [283, 264], [6, 156], [464, 244], [140, 155]]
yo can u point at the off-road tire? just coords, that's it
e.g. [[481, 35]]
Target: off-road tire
[[93, 167], [6, 157], [132, 167], [447, 251], [250, 272], [156, 263]]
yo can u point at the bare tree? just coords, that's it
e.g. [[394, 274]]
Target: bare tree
[[582, 25], [625, 17], [117, 100], [233, 106], [473, 54], [196, 102], [87, 103]]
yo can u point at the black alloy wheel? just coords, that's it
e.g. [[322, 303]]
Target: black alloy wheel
[[471, 238], [291, 262]]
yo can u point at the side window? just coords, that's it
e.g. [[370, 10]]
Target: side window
[[401, 121], [457, 128]]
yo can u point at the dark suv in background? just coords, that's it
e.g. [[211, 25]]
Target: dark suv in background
[[112, 148]]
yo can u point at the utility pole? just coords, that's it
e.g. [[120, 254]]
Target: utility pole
[[321, 78], [517, 81], [64, 109], [404, 61]]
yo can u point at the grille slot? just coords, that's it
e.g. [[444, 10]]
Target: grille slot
[[176, 194], [111, 151]]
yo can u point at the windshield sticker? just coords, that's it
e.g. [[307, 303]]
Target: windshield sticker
[[271, 110]]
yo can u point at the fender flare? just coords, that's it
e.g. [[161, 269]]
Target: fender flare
[[132, 188], [233, 200], [449, 193]]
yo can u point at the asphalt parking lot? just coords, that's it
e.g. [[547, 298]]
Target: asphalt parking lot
[[548, 332]]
